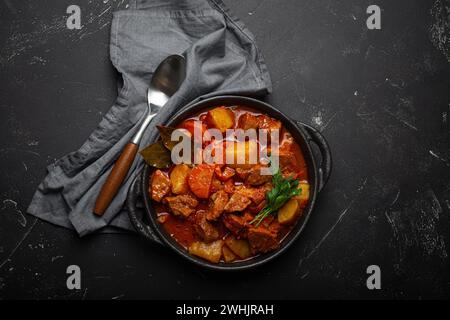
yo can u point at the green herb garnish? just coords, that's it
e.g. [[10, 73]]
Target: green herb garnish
[[283, 190]]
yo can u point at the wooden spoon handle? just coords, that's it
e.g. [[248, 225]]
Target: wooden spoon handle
[[115, 178]]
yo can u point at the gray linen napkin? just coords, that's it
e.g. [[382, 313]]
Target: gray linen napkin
[[222, 58]]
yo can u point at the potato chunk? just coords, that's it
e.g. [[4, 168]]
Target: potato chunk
[[208, 251], [303, 197], [241, 248], [221, 118], [289, 212], [178, 178], [228, 255]]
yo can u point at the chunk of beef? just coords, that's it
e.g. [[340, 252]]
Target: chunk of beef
[[256, 178], [288, 162], [225, 174], [228, 186], [242, 173], [217, 204], [275, 227], [216, 185], [272, 224], [182, 205], [237, 224], [255, 194], [262, 239], [267, 221], [256, 208], [266, 122], [237, 202], [248, 121], [287, 143], [206, 230], [160, 185]]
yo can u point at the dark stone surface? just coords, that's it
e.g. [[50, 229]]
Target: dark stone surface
[[381, 97]]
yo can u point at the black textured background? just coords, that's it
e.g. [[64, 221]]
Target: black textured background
[[381, 97]]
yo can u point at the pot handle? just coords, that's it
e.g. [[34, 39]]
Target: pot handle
[[325, 151], [136, 214]]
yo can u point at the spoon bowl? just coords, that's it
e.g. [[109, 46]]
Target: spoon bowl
[[166, 80]]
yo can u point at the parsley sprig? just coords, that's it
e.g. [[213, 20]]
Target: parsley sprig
[[283, 189]]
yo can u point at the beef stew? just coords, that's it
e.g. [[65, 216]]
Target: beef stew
[[210, 209]]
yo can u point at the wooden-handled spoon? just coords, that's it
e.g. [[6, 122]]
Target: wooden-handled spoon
[[166, 80]]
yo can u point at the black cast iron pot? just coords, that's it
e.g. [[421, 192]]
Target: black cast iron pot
[[144, 220]]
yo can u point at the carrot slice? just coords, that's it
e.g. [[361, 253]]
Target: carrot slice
[[200, 180], [189, 125]]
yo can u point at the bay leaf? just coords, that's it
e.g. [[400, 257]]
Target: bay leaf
[[166, 135], [156, 155]]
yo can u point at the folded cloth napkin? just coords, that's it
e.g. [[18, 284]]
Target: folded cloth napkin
[[222, 58]]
